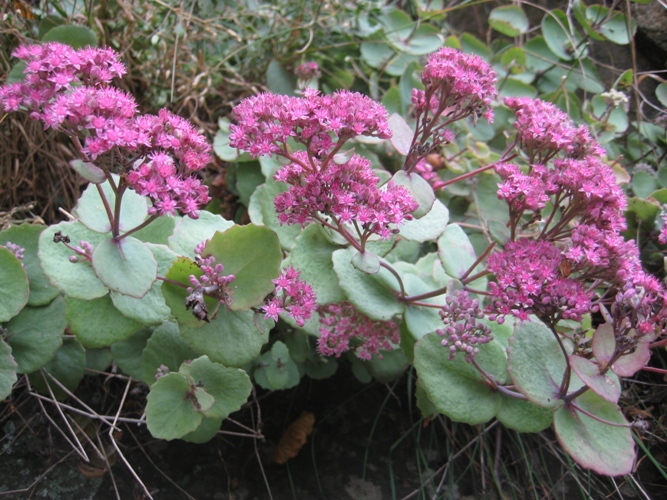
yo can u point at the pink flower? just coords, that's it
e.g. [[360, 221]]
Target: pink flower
[[212, 283], [292, 296], [459, 83], [343, 328], [267, 121], [345, 192]]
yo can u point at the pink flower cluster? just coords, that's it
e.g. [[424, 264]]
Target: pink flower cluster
[[462, 332], [308, 71], [267, 121], [346, 192], [662, 237], [53, 67], [292, 296], [456, 85], [68, 90], [579, 245], [342, 328], [543, 130], [176, 148], [212, 283], [530, 280]]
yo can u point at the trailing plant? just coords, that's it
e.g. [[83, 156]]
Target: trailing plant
[[530, 318]]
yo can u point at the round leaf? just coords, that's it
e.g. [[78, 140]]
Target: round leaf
[[455, 251], [557, 32], [428, 227], [97, 323], [536, 363], [509, 20], [167, 348], [253, 255], [36, 334], [311, 255], [67, 366], [455, 387], [74, 35], [8, 367], [27, 237], [126, 266], [276, 370], [262, 211], [15, 290], [420, 190], [89, 171], [151, 309], [366, 262], [170, 411], [366, 292], [523, 416], [92, 214], [606, 449], [78, 279], [127, 353], [231, 339], [607, 386], [189, 233], [230, 387]]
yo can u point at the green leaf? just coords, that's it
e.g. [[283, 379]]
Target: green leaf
[[206, 431], [158, 231], [455, 387], [276, 370], [523, 416], [248, 177], [67, 366], [661, 93], [8, 367], [509, 20], [262, 211], [170, 409], [366, 262], [536, 363], [127, 353], [91, 212], [27, 237], [428, 227], [74, 35], [181, 269], [455, 251], [89, 171], [558, 34], [97, 323], [401, 134], [125, 266], [605, 449], [607, 386], [36, 334], [230, 387], [311, 255], [231, 339], [77, 279], [221, 146], [643, 184], [420, 191], [151, 309], [253, 255], [389, 367], [615, 25], [367, 294], [98, 359], [48, 23], [15, 289], [279, 80], [167, 348], [189, 233]]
